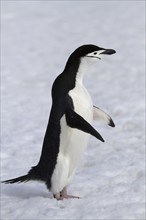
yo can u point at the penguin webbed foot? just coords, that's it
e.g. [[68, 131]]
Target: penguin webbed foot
[[63, 195]]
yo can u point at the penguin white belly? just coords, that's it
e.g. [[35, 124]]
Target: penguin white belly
[[78, 140], [73, 142]]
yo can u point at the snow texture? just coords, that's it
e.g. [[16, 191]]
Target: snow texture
[[37, 38]]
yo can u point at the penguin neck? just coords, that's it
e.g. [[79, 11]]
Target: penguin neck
[[75, 69], [82, 69]]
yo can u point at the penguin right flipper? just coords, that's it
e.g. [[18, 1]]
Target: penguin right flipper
[[99, 114], [74, 120]]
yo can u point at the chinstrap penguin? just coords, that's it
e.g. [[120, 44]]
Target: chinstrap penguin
[[69, 124]]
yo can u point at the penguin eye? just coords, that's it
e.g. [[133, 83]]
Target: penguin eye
[[95, 53]]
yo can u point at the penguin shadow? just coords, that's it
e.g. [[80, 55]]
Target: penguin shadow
[[25, 191]]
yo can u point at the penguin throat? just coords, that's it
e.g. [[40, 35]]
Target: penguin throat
[[83, 67]]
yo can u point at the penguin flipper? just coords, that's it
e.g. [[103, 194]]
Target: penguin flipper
[[74, 120], [99, 114]]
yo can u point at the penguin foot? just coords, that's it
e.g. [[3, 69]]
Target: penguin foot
[[70, 197], [64, 195]]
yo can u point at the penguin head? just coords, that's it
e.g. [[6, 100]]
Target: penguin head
[[92, 52], [85, 55]]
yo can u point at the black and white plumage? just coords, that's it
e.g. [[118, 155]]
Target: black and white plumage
[[69, 124]]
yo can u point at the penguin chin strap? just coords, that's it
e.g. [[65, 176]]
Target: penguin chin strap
[[63, 195], [94, 57]]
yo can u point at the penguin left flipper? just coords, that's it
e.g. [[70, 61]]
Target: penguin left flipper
[[74, 120], [99, 114]]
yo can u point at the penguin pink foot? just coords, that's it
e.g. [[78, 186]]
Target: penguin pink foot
[[70, 197], [63, 195]]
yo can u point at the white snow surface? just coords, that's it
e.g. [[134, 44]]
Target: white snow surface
[[37, 38]]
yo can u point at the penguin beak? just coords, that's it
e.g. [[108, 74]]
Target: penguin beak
[[108, 52]]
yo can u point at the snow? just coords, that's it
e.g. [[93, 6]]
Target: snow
[[37, 38]]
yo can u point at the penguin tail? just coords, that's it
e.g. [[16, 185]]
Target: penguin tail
[[19, 179], [35, 173]]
